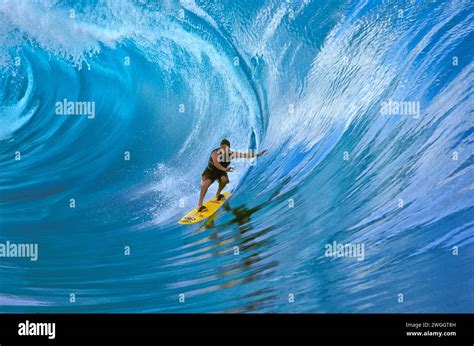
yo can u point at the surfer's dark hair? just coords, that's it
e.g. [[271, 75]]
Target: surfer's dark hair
[[225, 142]]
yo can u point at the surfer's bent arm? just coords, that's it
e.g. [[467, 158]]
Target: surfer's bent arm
[[216, 163], [237, 155]]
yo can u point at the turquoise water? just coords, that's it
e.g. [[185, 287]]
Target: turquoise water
[[305, 79]]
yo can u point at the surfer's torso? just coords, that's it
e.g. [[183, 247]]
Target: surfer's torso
[[226, 159]]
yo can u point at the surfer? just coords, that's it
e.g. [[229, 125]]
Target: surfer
[[217, 168]]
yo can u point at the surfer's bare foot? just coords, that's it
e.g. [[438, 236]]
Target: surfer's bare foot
[[202, 208], [220, 197]]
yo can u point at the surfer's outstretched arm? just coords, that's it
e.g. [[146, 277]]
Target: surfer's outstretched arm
[[237, 155]]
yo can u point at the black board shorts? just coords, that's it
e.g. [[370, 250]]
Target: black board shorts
[[214, 174]]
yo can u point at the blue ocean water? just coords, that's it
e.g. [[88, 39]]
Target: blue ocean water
[[304, 79]]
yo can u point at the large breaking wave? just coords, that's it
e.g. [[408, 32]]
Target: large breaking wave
[[303, 78]]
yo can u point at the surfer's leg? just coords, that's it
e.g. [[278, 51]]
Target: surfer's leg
[[205, 183], [223, 180]]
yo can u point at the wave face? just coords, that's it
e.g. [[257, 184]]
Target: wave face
[[366, 108]]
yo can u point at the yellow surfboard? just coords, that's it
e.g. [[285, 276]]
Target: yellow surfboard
[[212, 205]]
